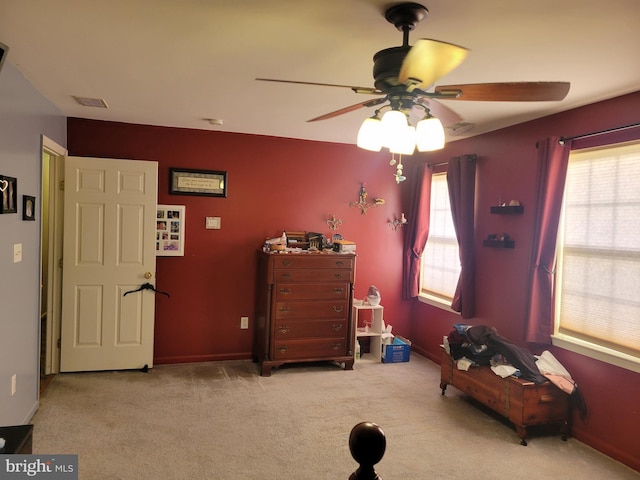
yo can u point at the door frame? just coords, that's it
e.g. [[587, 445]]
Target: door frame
[[53, 210]]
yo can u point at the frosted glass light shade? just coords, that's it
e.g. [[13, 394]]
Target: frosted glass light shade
[[370, 135], [393, 123], [403, 141], [429, 135]]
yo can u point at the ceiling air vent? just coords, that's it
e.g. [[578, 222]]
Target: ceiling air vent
[[460, 128], [91, 102]]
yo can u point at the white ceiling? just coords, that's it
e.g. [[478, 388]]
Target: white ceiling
[[179, 62]]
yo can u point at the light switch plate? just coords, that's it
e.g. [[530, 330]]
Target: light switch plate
[[212, 223], [17, 252]]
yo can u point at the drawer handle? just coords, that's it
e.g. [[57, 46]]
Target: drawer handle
[[283, 349], [339, 263], [337, 327], [339, 276], [285, 291], [283, 329], [337, 308], [338, 291], [336, 346], [286, 275], [284, 309], [286, 263]]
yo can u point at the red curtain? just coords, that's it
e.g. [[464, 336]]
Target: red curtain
[[461, 180], [553, 159], [417, 230]]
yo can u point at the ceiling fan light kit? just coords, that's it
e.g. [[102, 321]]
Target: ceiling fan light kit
[[394, 132], [404, 79]]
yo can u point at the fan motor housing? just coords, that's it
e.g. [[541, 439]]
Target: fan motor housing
[[386, 67]]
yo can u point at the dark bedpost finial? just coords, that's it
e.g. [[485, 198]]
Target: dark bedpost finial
[[367, 444]]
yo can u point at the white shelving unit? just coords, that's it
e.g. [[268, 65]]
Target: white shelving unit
[[373, 330]]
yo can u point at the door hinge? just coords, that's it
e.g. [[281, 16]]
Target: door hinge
[[59, 342], [60, 263], [62, 185]]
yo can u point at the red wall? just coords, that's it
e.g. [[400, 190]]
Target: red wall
[[277, 184], [274, 184], [507, 168]]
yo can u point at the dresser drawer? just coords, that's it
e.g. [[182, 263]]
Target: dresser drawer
[[304, 349], [309, 329], [311, 275], [314, 261], [311, 291], [328, 309]]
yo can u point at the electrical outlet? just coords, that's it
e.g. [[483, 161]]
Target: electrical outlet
[[13, 384], [244, 323]]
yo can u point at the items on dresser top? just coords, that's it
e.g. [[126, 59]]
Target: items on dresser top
[[296, 242]]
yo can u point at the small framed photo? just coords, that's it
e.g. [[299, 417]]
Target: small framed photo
[[170, 220], [28, 207], [188, 181], [9, 190]]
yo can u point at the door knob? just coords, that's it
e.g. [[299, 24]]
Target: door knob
[[148, 275]]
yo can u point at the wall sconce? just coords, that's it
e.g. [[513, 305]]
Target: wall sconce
[[362, 203], [333, 222], [397, 222]]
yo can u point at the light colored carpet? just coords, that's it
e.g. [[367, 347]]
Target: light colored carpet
[[223, 421]]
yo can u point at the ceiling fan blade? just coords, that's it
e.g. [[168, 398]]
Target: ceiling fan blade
[[507, 91], [368, 90], [368, 103], [443, 113], [428, 60]]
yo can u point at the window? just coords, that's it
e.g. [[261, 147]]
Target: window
[[598, 276], [440, 267]]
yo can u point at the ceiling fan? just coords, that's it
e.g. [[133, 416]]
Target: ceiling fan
[[404, 80], [403, 74]]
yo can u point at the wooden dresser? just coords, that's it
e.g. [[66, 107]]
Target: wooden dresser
[[303, 309], [523, 402]]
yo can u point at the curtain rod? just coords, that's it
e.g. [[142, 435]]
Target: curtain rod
[[601, 132], [431, 165]]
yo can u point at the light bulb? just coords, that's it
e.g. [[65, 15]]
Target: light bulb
[[403, 141], [393, 123], [429, 135], [370, 135]]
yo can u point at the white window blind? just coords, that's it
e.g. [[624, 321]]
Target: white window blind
[[440, 258], [599, 261]]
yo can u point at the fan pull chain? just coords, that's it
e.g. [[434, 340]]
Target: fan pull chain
[[399, 176]]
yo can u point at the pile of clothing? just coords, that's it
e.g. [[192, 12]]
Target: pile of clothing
[[481, 345]]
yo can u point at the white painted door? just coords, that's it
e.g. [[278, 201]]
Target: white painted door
[[109, 246]]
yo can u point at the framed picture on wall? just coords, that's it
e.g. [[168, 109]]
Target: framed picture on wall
[[188, 181], [170, 220], [9, 190], [28, 208]]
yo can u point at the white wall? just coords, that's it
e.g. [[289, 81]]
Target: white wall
[[25, 115]]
